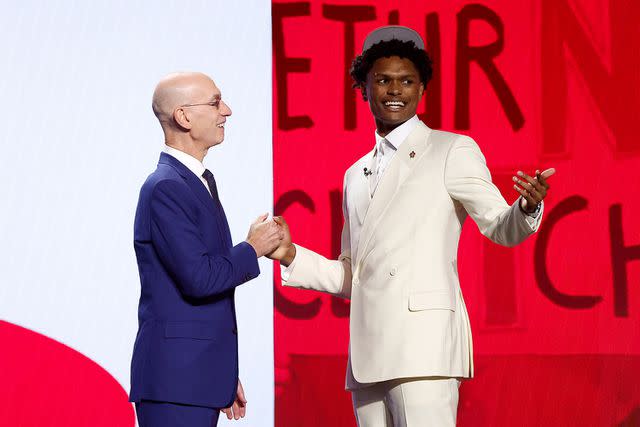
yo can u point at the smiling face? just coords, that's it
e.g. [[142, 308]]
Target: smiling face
[[393, 90], [209, 116]]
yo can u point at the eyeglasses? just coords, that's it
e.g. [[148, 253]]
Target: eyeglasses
[[215, 104]]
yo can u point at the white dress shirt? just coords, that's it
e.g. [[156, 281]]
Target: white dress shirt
[[190, 162]]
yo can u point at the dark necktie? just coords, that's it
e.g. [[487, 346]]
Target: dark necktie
[[223, 224], [211, 182]]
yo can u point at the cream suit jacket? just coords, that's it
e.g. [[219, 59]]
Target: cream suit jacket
[[398, 262]]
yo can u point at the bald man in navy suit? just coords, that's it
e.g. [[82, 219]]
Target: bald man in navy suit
[[184, 369]]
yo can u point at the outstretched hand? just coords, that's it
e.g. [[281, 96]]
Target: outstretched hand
[[532, 189], [239, 407], [286, 251]]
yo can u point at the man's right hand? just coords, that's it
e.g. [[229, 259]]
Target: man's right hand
[[264, 236]]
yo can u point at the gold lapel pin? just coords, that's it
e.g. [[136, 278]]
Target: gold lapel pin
[[412, 154]]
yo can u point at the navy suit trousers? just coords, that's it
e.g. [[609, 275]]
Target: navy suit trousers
[[162, 414]]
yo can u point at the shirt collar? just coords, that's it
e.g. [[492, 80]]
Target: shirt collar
[[193, 164], [397, 136]]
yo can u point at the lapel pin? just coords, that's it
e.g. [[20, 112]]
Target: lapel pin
[[412, 154]]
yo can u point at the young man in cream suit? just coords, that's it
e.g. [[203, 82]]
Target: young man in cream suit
[[404, 204]]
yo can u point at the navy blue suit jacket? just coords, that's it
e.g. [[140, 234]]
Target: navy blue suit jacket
[[186, 350]]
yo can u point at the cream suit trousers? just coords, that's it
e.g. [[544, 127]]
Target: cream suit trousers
[[407, 402]]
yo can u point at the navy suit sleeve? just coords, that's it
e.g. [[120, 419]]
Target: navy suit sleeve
[[178, 242]]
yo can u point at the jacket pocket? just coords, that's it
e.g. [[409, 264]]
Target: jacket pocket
[[189, 329], [433, 300]]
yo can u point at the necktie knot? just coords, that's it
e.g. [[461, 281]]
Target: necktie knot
[[207, 175]]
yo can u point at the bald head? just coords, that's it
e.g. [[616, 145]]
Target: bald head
[[191, 112], [179, 89]]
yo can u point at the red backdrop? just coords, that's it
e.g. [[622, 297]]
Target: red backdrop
[[46, 383], [536, 84]]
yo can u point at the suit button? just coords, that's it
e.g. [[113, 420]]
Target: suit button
[[393, 271], [356, 281], [235, 331]]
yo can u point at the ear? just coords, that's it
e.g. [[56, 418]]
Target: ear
[[421, 89], [181, 118]]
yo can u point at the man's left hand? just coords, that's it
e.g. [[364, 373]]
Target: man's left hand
[[532, 189], [239, 407]]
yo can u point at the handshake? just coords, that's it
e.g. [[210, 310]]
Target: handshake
[[271, 238]]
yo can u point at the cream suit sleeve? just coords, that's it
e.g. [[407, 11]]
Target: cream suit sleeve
[[310, 270], [468, 181]]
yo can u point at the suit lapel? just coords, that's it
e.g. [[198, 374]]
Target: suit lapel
[[359, 187], [402, 164], [192, 180], [226, 231]]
